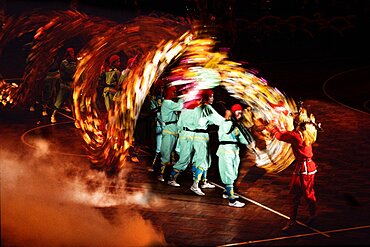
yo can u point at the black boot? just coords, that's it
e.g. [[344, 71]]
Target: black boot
[[293, 216], [312, 210], [291, 224]]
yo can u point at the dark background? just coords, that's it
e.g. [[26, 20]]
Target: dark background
[[255, 30], [294, 44]]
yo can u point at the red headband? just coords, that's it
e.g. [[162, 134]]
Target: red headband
[[207, 92], [236, 107], [169, 92]]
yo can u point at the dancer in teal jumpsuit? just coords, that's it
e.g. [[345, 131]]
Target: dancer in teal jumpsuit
[[155, 107], [193, 141], [230, 136], [169, 112]]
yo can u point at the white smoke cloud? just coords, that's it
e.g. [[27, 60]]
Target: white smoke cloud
[[42, 147], [62, 203]]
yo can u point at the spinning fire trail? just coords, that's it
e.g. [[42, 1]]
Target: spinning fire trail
[[185, 51]]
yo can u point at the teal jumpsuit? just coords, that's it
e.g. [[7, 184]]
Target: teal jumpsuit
[[228, 154], [155, 106], [194, 138], [169, 113]]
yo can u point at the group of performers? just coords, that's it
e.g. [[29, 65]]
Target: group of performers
[[183, 129]]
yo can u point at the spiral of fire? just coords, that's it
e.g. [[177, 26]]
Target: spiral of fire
[[157, 42]]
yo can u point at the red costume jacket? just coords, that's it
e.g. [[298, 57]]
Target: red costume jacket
[[303, 154]]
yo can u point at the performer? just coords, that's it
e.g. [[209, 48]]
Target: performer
[[201, 165], [50, 85], [193, 140], [67, 70], [302, 182], [111, 78], [230, 135], [131, 62], [169, 113], [155, 107], [188, 121]]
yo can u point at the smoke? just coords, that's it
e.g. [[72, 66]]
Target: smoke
[[47, 202]]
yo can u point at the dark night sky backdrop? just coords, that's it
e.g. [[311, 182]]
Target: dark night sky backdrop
[[254, 41], [243, 8]]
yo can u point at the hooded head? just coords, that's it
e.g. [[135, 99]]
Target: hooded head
[[70, 49], [207, 96], [236, 107], [207, 92], [170, 92], [70, 53], [237, 110], [113, 60]]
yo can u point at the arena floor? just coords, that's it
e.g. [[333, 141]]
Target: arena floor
[[49, 196]]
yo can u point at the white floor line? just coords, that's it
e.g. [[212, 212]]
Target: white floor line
[[332, 98], [65, 115], [23, 139], [274, 211], [294, 236]]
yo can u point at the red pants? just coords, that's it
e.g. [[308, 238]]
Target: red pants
[[302, 185]]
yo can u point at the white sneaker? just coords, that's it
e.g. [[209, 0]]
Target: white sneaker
[[197, 191], [160, 178], [207, 185], [237, 204], [53, 120], [225, 196], [44, 113], [173, 183]]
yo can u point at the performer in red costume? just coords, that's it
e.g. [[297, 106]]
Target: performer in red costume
[[302, 182]]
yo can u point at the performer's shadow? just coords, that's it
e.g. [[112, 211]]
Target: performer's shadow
[[253, 174], [249, 172]]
